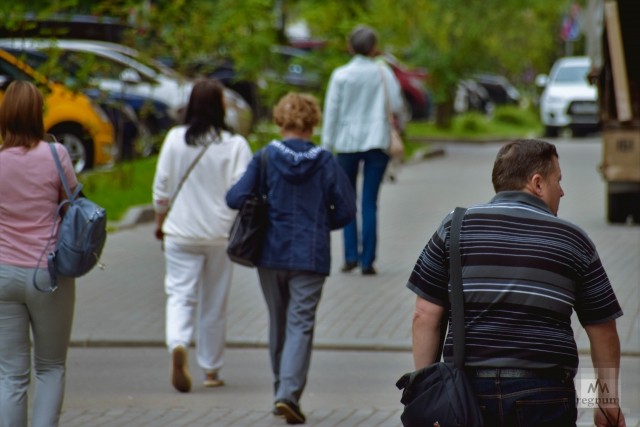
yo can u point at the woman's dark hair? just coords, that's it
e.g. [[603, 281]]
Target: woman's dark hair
[[363, 40], [21, 115], [205, 111], [519, 160]]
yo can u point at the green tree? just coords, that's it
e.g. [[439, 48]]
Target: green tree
[[452, 39]]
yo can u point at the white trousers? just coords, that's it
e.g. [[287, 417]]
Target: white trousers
[[197, 282]]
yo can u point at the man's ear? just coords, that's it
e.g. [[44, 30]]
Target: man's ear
[[536, 185]]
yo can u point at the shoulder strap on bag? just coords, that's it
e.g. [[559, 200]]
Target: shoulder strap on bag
[[387, 104], [263, 174], [184, 178], [457, 295], [58, 213], [63, 177]]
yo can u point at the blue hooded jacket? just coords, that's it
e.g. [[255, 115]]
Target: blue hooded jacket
[[308, 194]]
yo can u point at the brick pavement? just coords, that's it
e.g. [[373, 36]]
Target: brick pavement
[[124, 305]]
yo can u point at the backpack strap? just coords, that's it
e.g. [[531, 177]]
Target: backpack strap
[[58, 213], [63, 177]]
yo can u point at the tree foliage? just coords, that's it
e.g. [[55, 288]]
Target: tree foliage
[[452, 39]]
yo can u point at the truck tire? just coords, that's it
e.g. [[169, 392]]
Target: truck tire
[[617, 208]]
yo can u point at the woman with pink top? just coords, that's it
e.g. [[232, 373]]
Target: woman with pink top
[[30, 190]]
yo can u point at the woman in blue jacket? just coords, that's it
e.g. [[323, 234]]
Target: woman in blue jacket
[[309, 195]]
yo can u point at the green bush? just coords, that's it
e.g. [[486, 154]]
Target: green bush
[[471, 123], [513, 115]]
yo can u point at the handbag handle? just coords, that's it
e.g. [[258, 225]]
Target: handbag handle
[[457, 295], [387, 105]]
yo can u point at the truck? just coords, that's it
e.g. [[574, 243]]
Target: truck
[[614, 48]]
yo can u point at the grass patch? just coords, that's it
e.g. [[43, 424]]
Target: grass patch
[[125, 185], [129, 184], [506, 122]]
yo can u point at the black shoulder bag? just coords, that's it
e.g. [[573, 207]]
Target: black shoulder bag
[[246, 237], [441, 393]]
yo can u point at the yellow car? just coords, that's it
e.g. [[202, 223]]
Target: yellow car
[[75, 121]]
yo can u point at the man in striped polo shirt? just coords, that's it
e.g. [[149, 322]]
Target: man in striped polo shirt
[[524, 271]]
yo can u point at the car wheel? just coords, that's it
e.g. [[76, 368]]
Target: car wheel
[[77, 143], [617, 207], [551, 131]]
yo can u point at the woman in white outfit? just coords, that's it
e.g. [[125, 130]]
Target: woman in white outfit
[[193, 220]]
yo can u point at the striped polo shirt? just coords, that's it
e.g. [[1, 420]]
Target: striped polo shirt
[[524, 272]]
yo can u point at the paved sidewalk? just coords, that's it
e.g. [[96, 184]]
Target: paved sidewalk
[[124, 304]]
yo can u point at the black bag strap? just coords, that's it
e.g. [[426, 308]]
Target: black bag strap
[[262, 188], [457, 295]]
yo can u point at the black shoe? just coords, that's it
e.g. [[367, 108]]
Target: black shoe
[[348, 266], [277, 412], [291, 412], [369, 271]]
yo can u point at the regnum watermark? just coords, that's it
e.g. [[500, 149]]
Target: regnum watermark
[[594, 391]]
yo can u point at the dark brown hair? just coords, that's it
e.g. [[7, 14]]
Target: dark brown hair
[[21, 115], [519, 160], [205, 110], [297, 112]]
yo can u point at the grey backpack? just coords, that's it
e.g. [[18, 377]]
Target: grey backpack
[[81, 236]]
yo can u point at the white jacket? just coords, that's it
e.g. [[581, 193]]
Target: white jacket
[[355, 117], [199, 214]]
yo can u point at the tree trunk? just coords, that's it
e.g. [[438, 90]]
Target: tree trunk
[[444, 114]]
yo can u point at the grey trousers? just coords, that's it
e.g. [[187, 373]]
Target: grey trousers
[[292, 298], [48, 316]]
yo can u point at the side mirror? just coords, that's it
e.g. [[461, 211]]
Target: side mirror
[[130, 76], [542, 80]]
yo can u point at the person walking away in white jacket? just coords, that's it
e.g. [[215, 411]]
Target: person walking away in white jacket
[[193, 221]]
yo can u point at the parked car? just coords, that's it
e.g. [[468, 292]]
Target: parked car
[[482, 92], [239, 111], [413, 84], [499, 89], [115, 71], [75, 121], [568, 99], [137, 120]]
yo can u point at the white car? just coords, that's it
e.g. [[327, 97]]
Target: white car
[[117, 68], [568, 99]]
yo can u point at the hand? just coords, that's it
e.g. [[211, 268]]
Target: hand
[[159, 234], [610, 416]]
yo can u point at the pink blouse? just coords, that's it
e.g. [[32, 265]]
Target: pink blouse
[[30, 190]]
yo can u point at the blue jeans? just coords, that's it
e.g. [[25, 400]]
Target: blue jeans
[[374, 165], [519, 402]]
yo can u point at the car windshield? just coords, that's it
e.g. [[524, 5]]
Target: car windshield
[[573, 74]]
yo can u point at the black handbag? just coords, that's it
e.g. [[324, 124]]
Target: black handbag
[[441, 394], [246, 237]]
